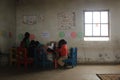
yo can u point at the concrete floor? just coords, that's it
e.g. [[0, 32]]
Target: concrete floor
[[81, 72]]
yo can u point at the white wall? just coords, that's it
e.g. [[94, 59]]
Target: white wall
[[87, 51], [7, 24]]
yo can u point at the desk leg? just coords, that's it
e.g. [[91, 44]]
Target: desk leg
[[55, 63]]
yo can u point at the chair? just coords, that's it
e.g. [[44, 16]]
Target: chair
[[45, 63], [23, 58], [72, 59], [13, 56], [36, 56], [40, 58]]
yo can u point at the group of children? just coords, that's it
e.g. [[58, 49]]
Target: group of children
[[60, 48]]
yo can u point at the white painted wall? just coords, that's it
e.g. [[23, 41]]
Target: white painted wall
[[7, 24], [87, 51]]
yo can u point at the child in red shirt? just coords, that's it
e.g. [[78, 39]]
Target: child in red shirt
[[63, 51]]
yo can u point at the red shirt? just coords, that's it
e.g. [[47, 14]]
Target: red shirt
[[63, 50]]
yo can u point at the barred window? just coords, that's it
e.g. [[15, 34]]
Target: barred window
[[96, 25]]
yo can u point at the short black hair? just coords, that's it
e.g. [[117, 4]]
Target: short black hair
[[27, 34], [61, 42]]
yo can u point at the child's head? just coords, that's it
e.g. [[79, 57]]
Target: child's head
[[32, 43], [27, 35], [61, 42], [37, 43]]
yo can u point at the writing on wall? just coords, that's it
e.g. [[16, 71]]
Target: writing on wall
[[66, 20]]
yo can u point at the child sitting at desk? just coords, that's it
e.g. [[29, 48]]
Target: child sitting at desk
[[26, 41], [63, 51], [51, 50]]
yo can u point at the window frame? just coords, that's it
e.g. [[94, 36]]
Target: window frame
[[96, 23]]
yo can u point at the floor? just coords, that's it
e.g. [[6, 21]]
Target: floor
[[80, 72]]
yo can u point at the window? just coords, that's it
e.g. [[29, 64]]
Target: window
[[96, 25]]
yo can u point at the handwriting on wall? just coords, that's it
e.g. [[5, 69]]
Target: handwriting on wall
[[45, 35], [29, 20], [66, 20]]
